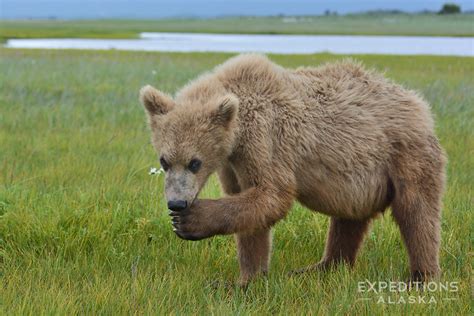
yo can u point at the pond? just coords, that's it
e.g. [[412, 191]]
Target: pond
[[279, 44]]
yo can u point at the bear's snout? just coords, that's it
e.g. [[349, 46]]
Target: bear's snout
[[177, 205]]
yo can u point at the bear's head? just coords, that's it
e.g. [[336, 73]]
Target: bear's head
[[192, 140]]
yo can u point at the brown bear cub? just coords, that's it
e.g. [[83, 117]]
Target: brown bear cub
[[341, 140]]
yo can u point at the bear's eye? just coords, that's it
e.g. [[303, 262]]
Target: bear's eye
[[194, 165], [164, 164]]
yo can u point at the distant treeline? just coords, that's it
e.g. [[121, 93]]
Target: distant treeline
[[447, 8]]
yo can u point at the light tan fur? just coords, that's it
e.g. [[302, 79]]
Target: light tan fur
[[342, 140]]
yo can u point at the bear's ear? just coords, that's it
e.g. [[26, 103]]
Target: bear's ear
[[155, 102], [226, 110]]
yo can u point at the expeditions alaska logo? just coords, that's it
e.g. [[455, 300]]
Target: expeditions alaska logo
[[396, 292]]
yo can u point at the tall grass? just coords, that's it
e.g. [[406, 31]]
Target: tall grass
[[83, 227]]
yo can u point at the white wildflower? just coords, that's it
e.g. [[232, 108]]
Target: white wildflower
[[155, 171]]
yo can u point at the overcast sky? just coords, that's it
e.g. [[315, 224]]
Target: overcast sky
[[69, 9]]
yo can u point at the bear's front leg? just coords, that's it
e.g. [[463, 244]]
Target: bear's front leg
[[253, 210], [204, 219], [249, 214], [253, 250]]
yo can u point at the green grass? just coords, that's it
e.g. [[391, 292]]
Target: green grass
[[357, 24], [84, 230]]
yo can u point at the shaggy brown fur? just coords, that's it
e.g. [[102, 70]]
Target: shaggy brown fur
[[343, 141]]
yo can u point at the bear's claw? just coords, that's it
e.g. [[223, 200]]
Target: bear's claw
[[193, 223], [177, 219]]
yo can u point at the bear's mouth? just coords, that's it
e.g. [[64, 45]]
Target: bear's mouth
[[194, 198], [191, 202]]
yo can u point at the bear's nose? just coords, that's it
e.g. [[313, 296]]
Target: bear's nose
[[177, 205]]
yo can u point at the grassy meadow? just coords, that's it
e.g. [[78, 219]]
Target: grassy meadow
[[353, 24], [84, 228]]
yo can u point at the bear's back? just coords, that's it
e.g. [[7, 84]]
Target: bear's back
[[346, 87]]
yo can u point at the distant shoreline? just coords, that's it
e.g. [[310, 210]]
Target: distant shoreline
[[459, 25]]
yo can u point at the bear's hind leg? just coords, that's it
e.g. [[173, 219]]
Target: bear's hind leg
[[254, 254], [344, 240], [419, 222]]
